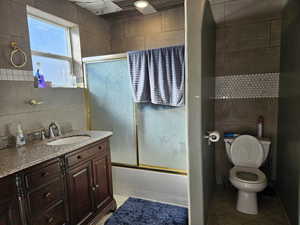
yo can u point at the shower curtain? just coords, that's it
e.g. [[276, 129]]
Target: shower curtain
[[157, 75]]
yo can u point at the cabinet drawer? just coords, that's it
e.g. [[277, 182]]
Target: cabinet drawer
[[85, 154], [42, 174], [54, 216], [46, 196]]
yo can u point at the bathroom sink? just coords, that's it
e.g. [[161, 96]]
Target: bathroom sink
[[69, 140]]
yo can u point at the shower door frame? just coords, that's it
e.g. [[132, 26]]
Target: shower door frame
[[115, 57]]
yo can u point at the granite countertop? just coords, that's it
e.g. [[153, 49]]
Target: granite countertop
[[13, 160]]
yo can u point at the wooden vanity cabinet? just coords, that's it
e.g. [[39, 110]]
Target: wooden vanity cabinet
[[10, 213], [69, 190], [89, 182]]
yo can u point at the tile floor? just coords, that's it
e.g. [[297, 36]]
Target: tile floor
[[223, 211]]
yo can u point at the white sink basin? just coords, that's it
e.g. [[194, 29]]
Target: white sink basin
[[69, 140]]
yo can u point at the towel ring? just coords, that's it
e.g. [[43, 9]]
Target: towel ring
[[16, 50]]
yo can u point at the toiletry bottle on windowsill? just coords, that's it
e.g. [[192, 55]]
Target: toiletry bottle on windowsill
[[39, 78], [260, 126], [20, 138]]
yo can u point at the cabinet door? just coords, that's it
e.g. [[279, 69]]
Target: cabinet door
[[9, 205], [9, 212], [102, 180], [80, 193]]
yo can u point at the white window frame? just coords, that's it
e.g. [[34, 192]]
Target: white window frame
[[72, 34]]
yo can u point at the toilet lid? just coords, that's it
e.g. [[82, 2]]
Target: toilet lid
[[247, 151]]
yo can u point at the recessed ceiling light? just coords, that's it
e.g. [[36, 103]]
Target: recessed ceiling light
[[141, 4]]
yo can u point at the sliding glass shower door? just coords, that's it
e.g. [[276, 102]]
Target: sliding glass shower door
[[111, 107], [145, 135], [161, 136]]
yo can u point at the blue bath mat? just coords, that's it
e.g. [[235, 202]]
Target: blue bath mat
[[142, 212]]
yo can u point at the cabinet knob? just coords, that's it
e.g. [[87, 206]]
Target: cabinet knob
[[50, 220], [44, 174], [47, 195], [100, 147], [97, 186], [79, 157]]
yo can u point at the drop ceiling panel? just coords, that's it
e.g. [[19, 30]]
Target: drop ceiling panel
[[98, 7], [232, 10], [112, 7], [157, 4]]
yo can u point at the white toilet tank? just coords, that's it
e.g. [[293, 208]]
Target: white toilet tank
[[265, 142]]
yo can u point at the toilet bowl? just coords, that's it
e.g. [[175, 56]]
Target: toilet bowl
[[248, 181], [247, 154]]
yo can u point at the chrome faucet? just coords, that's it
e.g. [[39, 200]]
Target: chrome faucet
[[54, 130]]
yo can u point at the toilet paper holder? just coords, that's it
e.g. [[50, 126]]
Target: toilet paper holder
[[212, 137]]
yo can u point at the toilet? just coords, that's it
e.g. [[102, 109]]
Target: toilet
[[247, 154]]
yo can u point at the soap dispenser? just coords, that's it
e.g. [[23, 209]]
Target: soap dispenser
[[20, 138]]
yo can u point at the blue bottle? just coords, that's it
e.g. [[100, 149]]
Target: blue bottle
[[41, 83]]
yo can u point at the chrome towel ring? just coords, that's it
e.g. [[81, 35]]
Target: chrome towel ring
[[17, 50]]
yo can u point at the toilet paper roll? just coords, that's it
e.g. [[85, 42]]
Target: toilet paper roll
[[214, 136]]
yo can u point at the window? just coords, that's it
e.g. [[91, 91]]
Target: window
[[51, 51]]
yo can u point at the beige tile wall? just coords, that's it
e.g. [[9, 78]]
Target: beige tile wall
[[289, 111], [62, 105], [252, 47], [94, 31], [241, 11], [144, 32], [240, 116], [248, 42]]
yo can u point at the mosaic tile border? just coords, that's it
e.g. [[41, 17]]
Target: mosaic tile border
[[247, 86], [226, 87], [16, 75]]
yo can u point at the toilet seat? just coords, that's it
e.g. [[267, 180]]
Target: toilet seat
[[248, 175]]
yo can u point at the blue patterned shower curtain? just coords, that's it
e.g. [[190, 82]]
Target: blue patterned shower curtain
[[158, 75]]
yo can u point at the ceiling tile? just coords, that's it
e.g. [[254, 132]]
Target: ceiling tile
[[98, 7]]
